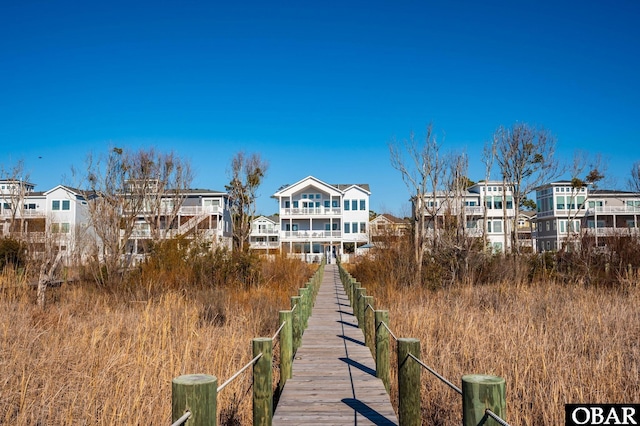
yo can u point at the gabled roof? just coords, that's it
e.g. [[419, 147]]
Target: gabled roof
[[345, 186], [265, 218], [388, 218], [74, 191], [313, 181]]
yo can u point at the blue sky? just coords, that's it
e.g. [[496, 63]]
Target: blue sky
[[316, 88]]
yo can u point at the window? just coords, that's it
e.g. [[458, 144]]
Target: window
[[489, 226], [304, 196], [554, 225], [287, 204], [295, 204], [354, 227], [363, 227], [488, 202], [560, 203], [55, 205], [497, 226], [336, 226], [327, 227], [346, 204], [347, 228], [327, 203], [363, 205], [354, 204], [509, 202], [547, 226], [317, 196], [59, 228], [497, 202], [335, 204]]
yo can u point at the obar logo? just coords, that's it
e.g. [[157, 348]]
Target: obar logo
[[602, 414]]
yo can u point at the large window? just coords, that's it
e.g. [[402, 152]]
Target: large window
[[55, 205]]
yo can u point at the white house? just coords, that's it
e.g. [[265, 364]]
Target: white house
[[566, 212], [485, 207], [319, 219], [265, 234]]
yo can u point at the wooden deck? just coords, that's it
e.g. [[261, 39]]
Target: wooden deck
[[334, 379]]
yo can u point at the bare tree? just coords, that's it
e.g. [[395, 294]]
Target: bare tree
[[525, 155], [247, 173], [128, 192], [161, 180], [422, 173]]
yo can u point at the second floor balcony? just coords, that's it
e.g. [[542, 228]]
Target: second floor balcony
[[312, 211]]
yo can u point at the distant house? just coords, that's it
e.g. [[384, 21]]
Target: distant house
[[565, 212], [265, 234], [202, 214], [485, 208], [317, 218], [385, 228]]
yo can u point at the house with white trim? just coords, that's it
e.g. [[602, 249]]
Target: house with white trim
[[483, 208], [319, 219], [565, 213], [265, 234], [202, 214]]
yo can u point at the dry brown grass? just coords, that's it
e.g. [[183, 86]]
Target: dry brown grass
[[554, 344], [97, 357]]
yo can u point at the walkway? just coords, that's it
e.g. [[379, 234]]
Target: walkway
[[334, 379]]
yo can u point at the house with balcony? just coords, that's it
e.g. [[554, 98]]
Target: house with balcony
[[386, 229], [54, 220], [193, 214], [265, 234], [483, 209], [566, 213], [319, 219]]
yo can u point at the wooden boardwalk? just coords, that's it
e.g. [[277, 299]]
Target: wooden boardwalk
[[334, 379]]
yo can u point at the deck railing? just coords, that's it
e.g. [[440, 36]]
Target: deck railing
[[483, 396], [194, 396]]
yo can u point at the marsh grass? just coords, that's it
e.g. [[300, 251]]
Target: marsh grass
[[100, 356], [553, 343]]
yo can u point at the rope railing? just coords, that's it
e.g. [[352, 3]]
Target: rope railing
[[383, 324], [432, 371], [495, 417], [232, 378], [279, 330], [182, 419], [476, 391], [194, 396]]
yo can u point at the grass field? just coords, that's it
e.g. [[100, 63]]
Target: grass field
[[97, 357], [553, 344], [101, 357]]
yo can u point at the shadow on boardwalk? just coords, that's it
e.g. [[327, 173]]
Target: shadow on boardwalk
[[334, 379]]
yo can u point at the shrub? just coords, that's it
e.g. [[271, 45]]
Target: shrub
[[12, 253]]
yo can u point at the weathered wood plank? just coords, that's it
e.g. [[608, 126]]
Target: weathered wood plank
[[334, 379]]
